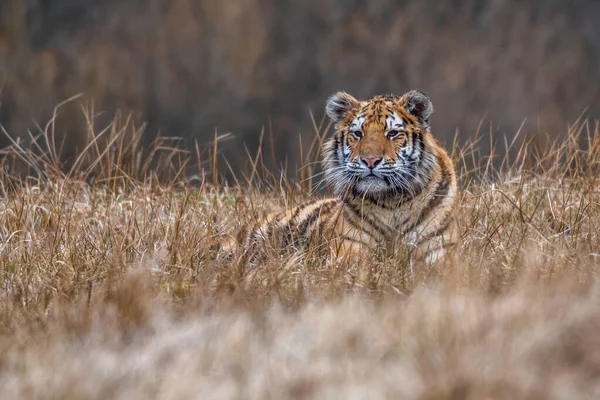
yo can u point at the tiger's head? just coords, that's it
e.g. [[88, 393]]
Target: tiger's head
[[381, 147]]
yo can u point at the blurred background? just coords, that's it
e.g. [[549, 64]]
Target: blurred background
[[191, 68]]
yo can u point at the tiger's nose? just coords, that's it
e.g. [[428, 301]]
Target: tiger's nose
[[371, 161]]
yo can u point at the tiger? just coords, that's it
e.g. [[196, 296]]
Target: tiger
[[392, 184]]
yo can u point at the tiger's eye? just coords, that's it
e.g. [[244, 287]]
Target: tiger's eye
[[357, 134], [392, 134]]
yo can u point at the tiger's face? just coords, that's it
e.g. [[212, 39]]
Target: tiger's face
[[381, 146]]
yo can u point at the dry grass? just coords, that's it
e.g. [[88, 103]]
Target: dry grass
[[108, 288]]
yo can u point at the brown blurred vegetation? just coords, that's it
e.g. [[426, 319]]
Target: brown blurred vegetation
[[189, 68]]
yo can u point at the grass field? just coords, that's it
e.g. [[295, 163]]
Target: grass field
[[109, 290]]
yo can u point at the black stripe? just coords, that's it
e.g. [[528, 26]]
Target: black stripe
[[336, 142], [319, 230], [421, 146], [289, 231], [297, 212], [325, 209], [359, 213], [350, 218], [313, 216]]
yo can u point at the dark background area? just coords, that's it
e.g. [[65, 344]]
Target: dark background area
[[192, 67]]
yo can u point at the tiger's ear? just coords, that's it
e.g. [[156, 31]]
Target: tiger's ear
[[338, 105], [419, 105]]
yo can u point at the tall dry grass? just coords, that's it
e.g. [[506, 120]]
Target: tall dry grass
[[189, 67], [109, 288]]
